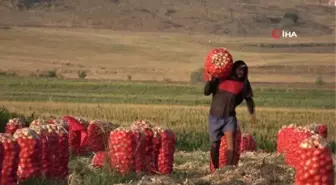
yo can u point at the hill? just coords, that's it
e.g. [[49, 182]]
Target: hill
[[238, 18]]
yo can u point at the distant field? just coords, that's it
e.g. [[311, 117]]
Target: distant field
[[58, 90], [115, 55]]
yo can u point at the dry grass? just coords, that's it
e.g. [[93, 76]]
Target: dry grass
[[108, 54]]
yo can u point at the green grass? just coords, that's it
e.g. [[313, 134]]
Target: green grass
[[60, 90]]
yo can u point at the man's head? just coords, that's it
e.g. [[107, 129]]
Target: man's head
[[240, 70]]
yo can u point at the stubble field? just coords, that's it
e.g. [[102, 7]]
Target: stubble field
[[290, 86]]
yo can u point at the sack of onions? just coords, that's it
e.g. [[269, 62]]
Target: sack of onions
[[77, 135], [30, 153], [38, 122], [122, 147], [299, 134], [10, 160], [315, 162], [62, 159], [47, 155], [247, 143], [139, 152], [156, 140], [59, 121], [165, 158], [14, 124], [98, 134], [222, 152], [236, 157], [146, 129], [320, 129], [283, 138], [218, 63], [99, 159], [82, 121]]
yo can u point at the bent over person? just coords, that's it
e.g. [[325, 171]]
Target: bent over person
[[227, 94]]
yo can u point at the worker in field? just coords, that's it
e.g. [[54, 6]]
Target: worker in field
[[227, 94]]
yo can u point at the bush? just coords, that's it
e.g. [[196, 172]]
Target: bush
[[319, 80], [82, 74], [197, 76], [291, 16], [5, 115], [52, 73]]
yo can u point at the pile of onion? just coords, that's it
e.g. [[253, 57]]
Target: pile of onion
[[30, 153], [218, 63], [98, 134], [10, 156], [247, 143], [99, 159], [315, 162], [14, 124], [61, 159], [283, 138], [299, 134], [47, 159], [222, 152], [124, 147], [146, 128], [167, 144]]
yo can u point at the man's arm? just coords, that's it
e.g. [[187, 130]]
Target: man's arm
[[210, 87], [250, 104]]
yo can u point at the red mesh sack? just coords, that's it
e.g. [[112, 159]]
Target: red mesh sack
[[14, 124], [165, 158], [247, 143], [147, 130], [61, 158], [320, 129], [47, 159], [59, 121], [222, 152], [1, 153], [99, 159], [315, 162], [38, 122], [218, 63], [10, 160], [283, 138], [77, 135], [156, 151], [291, 154], [30, 154], [126, 150], [98, 133]]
